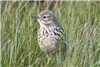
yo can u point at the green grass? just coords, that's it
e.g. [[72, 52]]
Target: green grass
[[79, 19]]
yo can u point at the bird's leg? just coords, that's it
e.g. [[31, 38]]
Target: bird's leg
[[57, 56], [49, 58]]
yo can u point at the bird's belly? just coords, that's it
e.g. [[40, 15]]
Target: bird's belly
[[48, 45]]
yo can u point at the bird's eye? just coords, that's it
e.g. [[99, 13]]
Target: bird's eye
[[44, 17]]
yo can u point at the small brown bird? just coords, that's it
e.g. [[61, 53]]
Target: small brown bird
[[51, 36]]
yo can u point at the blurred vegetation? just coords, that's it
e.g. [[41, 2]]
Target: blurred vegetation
[[81, 23]]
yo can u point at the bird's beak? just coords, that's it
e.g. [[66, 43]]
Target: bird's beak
[[35, 17]]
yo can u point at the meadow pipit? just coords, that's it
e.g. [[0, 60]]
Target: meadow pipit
[[51, 36]]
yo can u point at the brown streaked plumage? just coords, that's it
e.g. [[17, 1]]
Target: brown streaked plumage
[[51, 36]]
